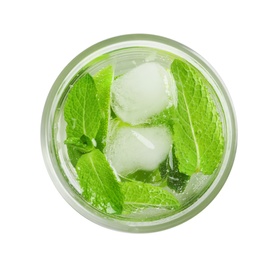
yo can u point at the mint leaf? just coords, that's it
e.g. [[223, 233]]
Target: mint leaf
[[145, 176], [98, 182], [139, 195], [81, 110], [83, 144], [198, 135], [103, 80], [164, 118], [81, 113], [177, 181], [169, 171]]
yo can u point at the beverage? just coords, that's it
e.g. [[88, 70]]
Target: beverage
[[140, 134]]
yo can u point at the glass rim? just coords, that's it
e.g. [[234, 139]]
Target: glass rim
[[136, 226]]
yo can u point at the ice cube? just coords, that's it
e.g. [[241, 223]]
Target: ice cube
[[137, 148], [143, 92]]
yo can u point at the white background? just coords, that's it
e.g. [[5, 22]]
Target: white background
[[39, 38]]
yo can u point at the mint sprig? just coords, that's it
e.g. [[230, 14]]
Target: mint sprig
[[84, 117], [198, 135]]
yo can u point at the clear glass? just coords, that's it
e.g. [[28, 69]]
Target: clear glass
[[123, 50]]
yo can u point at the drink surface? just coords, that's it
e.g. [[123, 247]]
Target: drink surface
[[142, 134]]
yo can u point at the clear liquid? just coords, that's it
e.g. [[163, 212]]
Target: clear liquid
[[123, 61]]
